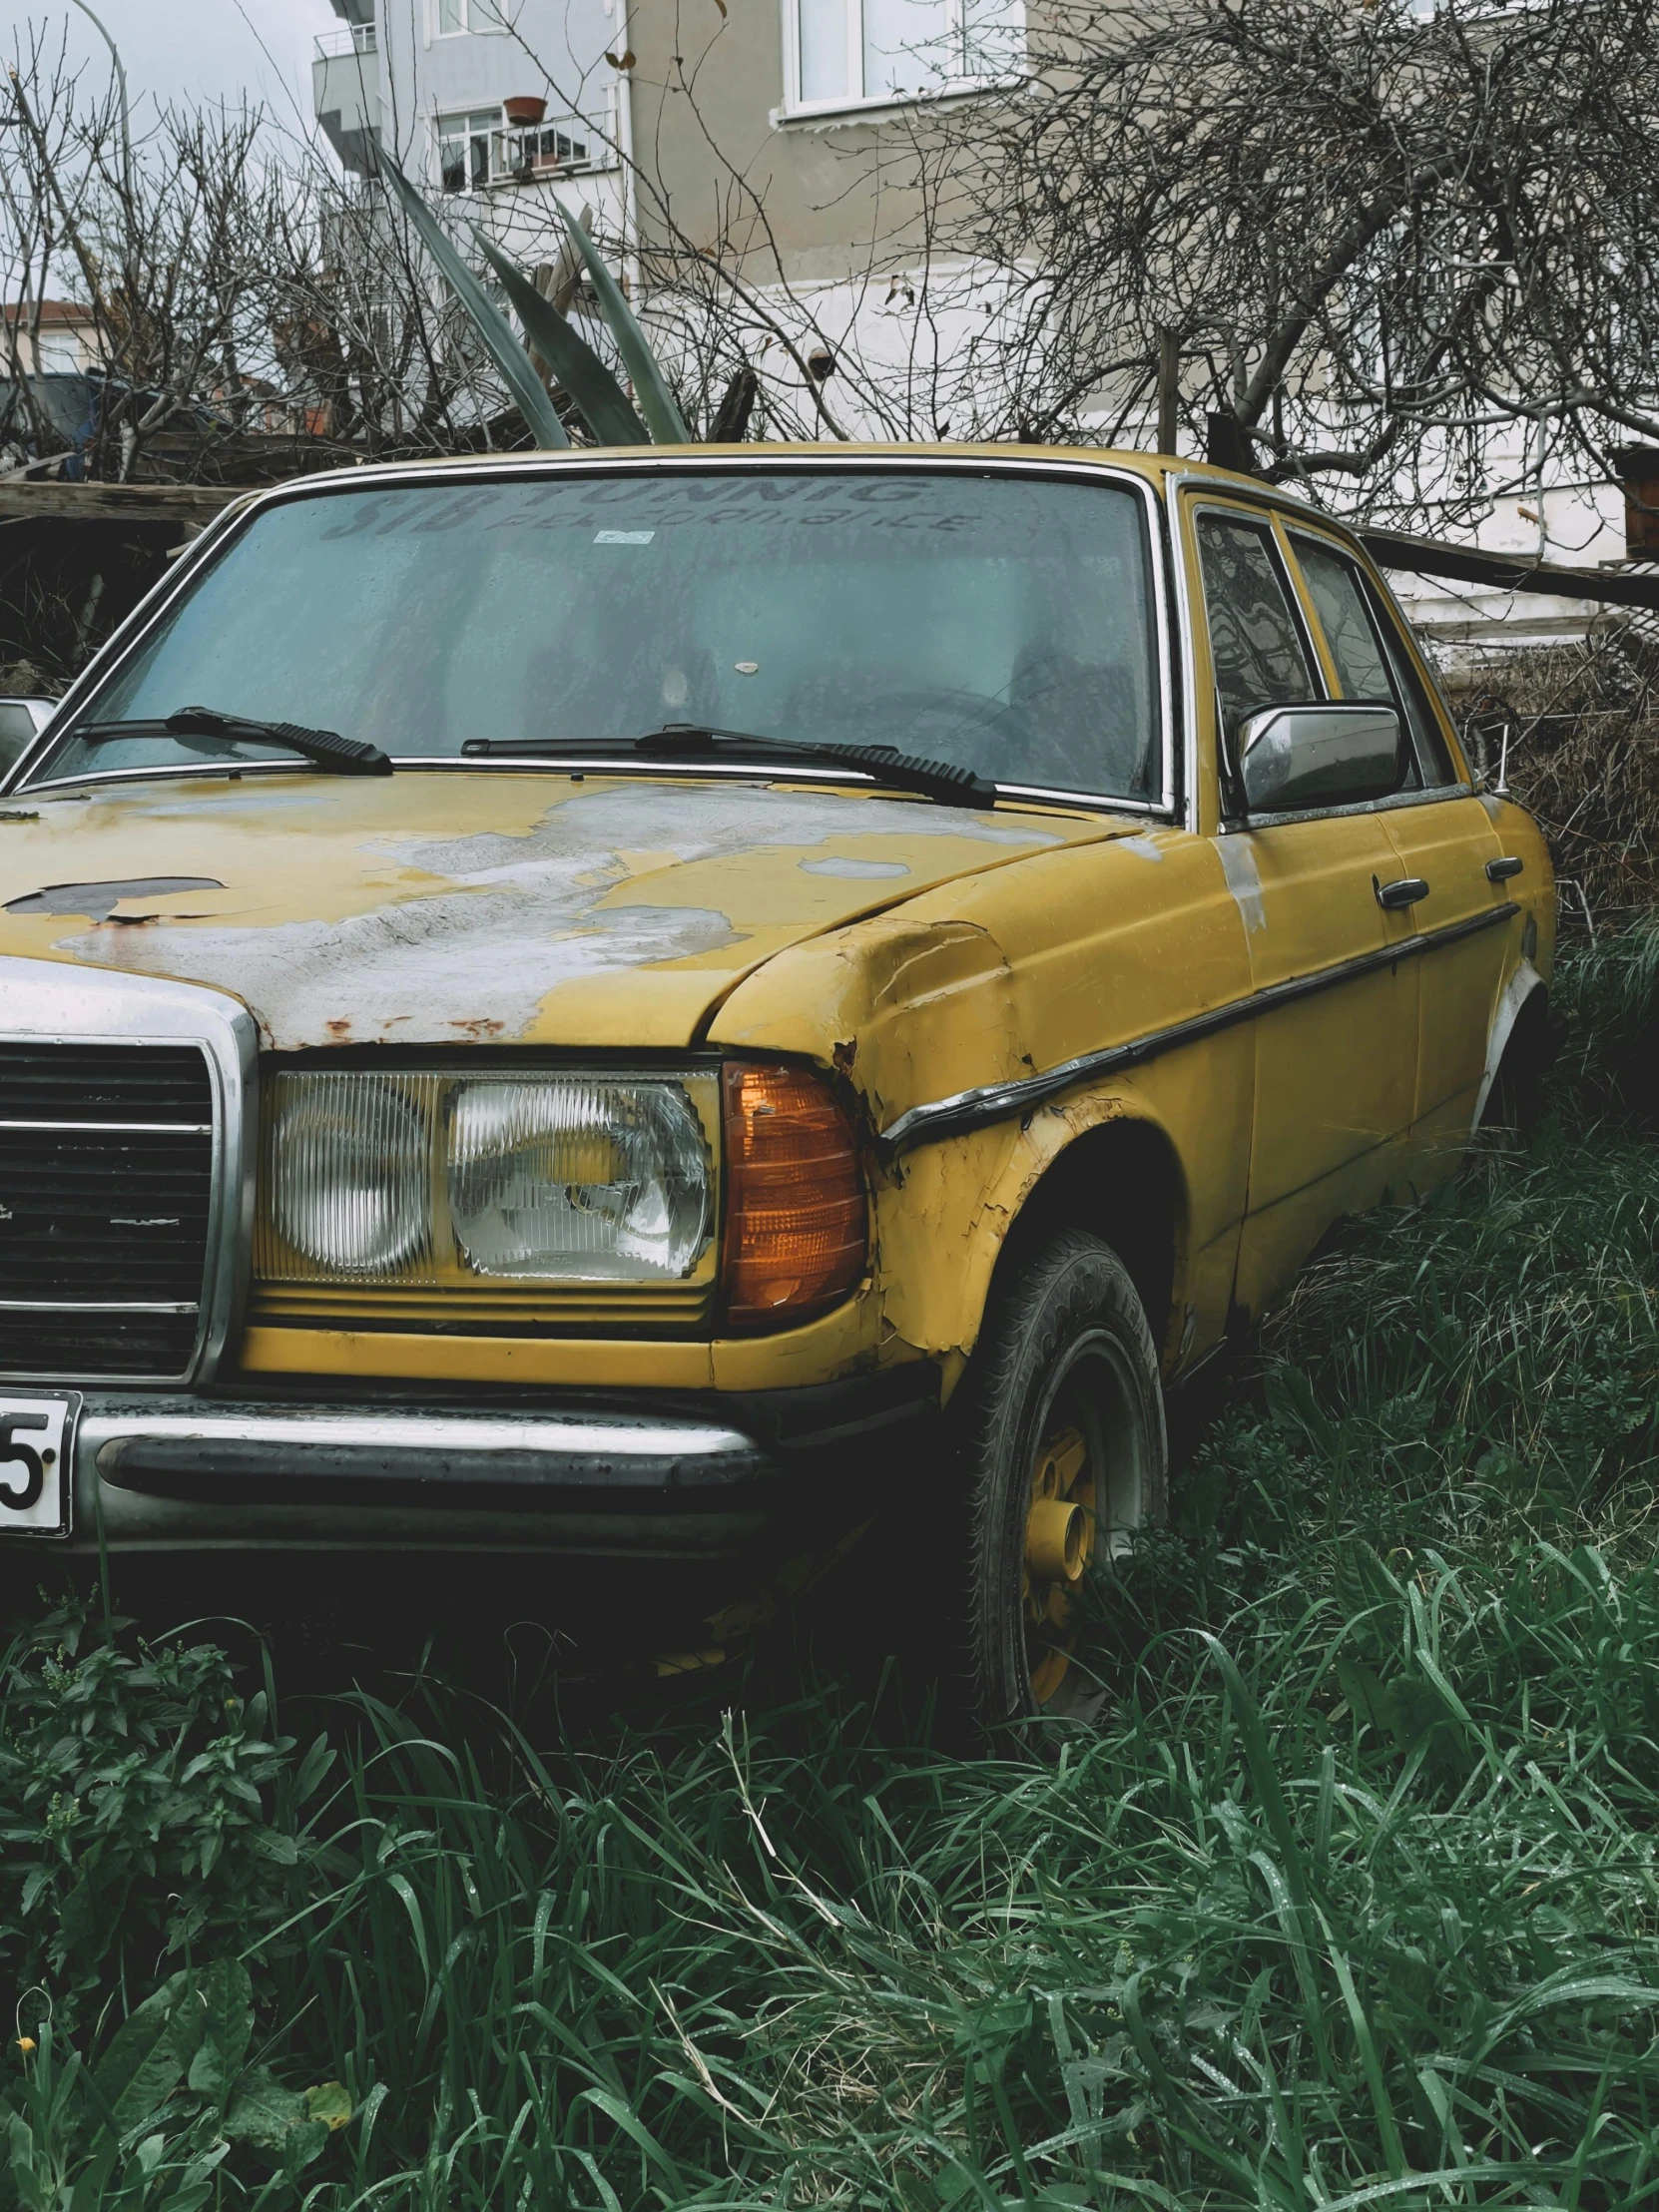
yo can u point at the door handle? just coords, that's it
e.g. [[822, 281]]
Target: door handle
[[1500, 871], [1405, 891]]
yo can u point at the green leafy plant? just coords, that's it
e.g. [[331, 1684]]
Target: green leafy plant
[[150, 2121], [604, 405], [144, 1805]]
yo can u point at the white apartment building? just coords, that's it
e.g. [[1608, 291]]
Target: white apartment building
[[511, 102]]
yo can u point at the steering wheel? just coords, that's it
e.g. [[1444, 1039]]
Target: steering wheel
[[976, 707]]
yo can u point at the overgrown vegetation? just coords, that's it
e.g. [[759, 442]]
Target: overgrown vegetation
[[1353, 1900], [1574, 728]]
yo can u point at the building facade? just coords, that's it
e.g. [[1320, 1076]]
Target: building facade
[[52, 337], [509, 102]]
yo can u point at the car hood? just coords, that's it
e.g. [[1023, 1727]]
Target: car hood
[[483, 906]]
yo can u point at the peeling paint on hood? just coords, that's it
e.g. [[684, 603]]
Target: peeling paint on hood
[[502, 908]]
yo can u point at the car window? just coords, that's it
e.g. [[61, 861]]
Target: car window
[[1340, 602], [1002, 622], [1428, 732], [1371, 657], [1256, 642], [17, 729]]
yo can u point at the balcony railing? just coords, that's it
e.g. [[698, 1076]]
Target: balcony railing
[[351, 38]]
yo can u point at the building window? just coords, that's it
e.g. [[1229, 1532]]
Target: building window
[[464, 149], [475, 150], [453, 17], [58, 353], [544, 151], [847, 51]]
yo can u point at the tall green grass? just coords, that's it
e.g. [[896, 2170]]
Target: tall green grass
[[1351, 1901]]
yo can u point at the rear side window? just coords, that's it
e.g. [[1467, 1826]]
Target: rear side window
[[1370, 656], [1256, 641], [1340, 602]]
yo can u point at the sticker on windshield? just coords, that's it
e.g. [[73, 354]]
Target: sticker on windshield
[[623, 537]]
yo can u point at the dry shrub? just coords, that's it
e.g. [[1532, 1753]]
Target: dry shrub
[[1575, 729]]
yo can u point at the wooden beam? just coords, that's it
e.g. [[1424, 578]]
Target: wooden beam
[[22, 501], [1467, 564]]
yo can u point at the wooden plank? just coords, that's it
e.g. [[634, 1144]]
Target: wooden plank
[[21, 501], [1467, 564]]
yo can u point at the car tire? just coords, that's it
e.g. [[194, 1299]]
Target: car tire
[[1061, 1448]]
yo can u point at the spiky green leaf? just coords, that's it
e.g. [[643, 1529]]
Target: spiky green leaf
[[491, 324], [584, 375], [650, 384]]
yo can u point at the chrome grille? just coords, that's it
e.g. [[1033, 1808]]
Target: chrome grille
[[106, 1192]]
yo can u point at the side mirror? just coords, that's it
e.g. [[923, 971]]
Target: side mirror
[[1331, 754], [21, 722]]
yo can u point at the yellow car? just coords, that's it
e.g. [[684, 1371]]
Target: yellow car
[[629, 1003]]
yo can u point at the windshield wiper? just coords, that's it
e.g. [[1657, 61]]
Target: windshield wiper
[[341, 756], [952, 787]]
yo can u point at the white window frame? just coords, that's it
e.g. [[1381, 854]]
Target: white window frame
[[848, 103], [495, 17], [500, 132], [469, 116]]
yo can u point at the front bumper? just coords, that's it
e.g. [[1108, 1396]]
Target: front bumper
[[158, 1471]]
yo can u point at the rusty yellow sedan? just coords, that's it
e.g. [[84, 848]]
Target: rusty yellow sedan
[[633, 1005]]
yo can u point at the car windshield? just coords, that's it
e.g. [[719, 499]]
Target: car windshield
[[1001, 623]]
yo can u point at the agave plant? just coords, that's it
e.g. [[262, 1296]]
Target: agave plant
[[605, 406]]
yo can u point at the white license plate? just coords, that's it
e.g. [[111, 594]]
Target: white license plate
[[37, 1434]]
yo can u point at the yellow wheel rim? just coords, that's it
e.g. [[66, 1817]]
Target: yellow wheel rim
[[1059, 1541]]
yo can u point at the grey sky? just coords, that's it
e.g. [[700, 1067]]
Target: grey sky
[[192, 50]]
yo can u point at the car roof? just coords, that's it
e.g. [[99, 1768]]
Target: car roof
[[538, 459], [1157, 469]]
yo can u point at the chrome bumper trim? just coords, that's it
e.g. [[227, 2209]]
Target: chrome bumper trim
[[218, 1450], [164, 1472]]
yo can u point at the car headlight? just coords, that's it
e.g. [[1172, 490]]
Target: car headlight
[[428, 1178], [597, 1181], [348, 1175]]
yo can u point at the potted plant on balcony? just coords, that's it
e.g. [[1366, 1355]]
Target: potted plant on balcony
[[524, 111]]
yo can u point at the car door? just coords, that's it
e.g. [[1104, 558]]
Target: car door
[[1337, 1034], [1445, 841]]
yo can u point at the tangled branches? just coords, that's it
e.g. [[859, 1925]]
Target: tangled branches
[[1386, 239]]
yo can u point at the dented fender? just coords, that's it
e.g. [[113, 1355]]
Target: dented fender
[[989, 983]]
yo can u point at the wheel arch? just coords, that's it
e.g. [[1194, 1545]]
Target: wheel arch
[[1121, 1179], [1518, 1022]]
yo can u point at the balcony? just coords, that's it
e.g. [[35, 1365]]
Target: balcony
[[351, 38], [345, 93]]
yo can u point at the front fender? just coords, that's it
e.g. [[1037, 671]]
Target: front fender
[[909, 1009]]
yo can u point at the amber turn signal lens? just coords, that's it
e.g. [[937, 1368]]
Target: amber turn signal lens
[[796, 1217]]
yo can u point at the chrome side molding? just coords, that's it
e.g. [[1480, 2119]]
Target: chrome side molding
[[977, 1109]]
